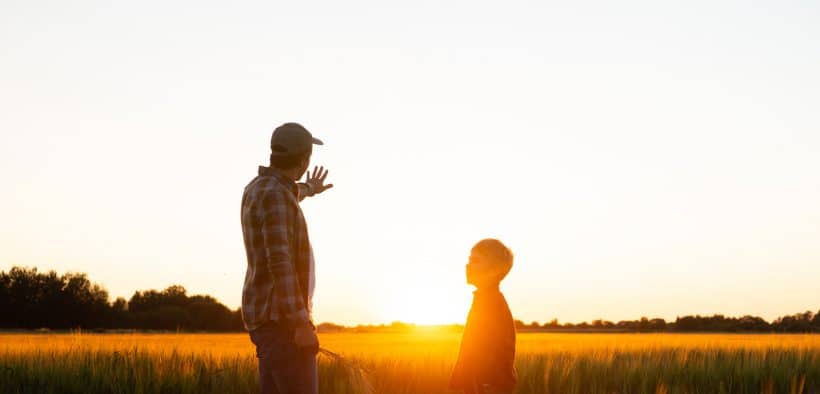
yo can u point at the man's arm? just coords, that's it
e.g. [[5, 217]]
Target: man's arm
[[275, 233], [304, 190]]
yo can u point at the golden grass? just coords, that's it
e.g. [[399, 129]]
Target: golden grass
[[416, 362], [405, 344]]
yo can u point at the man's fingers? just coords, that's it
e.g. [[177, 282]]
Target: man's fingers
[[324, 176], [323, 188]]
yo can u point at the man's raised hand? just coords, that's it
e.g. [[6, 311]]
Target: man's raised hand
[[316, 180]]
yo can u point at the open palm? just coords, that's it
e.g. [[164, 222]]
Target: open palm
[[316, 180]]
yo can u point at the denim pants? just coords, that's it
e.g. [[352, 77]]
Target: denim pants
[[284, 368]]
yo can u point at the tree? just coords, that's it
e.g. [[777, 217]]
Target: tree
[[816, 321], [752, 323], [329, 327], [627, 324], [657, 324], [31, 299], [800, 322]]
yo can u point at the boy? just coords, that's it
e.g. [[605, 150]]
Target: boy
[[485, 360]]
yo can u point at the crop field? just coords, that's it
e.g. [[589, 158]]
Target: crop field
[[417, 362]]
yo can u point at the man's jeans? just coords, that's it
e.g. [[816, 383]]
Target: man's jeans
[[283, 367]]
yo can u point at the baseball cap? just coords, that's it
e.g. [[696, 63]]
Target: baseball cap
[[292, 138]]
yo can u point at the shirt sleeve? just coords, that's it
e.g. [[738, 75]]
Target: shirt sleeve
[[276, 222], [302, 190]]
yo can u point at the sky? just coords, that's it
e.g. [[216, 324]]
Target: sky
[[640, 158]]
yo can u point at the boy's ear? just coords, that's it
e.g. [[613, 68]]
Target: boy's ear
[[501, 273]]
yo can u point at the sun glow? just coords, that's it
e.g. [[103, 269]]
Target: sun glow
[[428, 305]]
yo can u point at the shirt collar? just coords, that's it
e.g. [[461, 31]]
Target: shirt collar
[[274, 172]]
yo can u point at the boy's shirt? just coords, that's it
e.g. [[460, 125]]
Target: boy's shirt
[[488, 344]]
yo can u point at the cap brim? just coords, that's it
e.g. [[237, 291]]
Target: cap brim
[[317, 141]]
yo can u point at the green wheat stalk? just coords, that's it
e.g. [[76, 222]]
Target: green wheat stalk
[[355, 371]]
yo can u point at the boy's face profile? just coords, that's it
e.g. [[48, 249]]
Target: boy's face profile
[[490, 261], [480, 270]]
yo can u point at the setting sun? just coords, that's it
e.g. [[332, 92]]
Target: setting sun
[[425, 309], [428, 303]]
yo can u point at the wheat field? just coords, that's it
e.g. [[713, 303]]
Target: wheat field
[[415, 362]]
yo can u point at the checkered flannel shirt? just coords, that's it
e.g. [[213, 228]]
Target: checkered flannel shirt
[[278, 251]]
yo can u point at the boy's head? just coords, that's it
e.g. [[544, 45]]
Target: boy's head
[[490, 261]]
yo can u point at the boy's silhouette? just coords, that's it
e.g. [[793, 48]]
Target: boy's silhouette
[[485, 360]]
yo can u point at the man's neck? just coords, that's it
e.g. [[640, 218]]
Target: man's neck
[[290, 174]]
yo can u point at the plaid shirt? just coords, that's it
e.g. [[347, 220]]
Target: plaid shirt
[[278, 250]]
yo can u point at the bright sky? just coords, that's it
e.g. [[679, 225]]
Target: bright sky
[[640, 158]]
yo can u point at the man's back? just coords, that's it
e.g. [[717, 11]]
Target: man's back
[[277, 248], [279, 277]]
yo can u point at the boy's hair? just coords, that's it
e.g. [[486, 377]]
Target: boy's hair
[[497, 253]]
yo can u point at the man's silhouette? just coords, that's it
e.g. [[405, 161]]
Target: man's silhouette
[[279, 282]]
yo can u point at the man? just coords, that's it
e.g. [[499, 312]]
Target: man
[[276, 298]]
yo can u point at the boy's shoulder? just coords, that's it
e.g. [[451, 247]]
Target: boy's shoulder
[[489, 305]]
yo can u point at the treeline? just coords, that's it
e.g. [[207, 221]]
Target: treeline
[[30, 300], [806, 322], [798, 323]]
